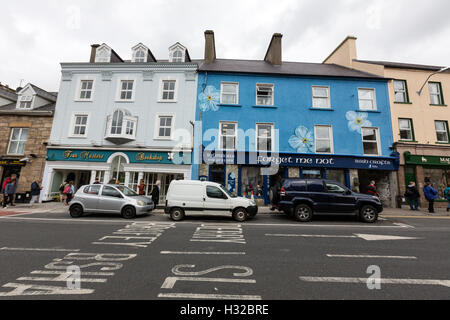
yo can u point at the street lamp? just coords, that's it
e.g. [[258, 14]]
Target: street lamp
[[442, 70]]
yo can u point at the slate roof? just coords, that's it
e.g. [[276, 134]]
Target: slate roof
[[400, 65], [8, 93]]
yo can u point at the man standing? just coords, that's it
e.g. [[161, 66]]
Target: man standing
[[372, 189], [13, 179], [412, 194], [97, 181], [35, 191], [8, 191], [155, 193], [430, 194]]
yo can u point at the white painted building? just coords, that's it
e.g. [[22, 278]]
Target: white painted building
[[125, 120]]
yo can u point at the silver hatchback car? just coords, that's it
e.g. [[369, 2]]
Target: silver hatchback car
[[109, 199]]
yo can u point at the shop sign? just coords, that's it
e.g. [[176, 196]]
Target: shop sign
[[427, 160], [11, 162], [104, 155]]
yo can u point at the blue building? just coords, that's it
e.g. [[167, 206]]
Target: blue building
[[259, 119]]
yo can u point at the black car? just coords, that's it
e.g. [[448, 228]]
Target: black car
[[303, 198]]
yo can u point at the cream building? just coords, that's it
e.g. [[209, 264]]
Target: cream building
[[420, 115]]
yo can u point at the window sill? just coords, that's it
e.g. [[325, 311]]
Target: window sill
[[411, 141], [167, 101], [438, 105], [229, 105], [370, 111], [402, 102], [267, 107], [124, 100], [78, 100], [162, 139], [77, 137], [437, 142], [321, 109]]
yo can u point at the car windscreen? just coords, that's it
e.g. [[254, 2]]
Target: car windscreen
[[127, 191], [231, 195]]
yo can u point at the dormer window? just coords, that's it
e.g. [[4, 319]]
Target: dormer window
[[177, 53], [177, 56], [103, 54], [25, 102], [140, 53]]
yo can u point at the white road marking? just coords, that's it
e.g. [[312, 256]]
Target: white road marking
[[199, 252], [404, 225], [377, 237], [21, 289], [445, 283], [368, 237], [170, 281], [208, 296], [369, 256], [83, 273], [39, 249], [62, 278], [307, 235]]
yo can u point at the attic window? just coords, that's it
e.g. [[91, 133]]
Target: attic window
[[140, 55], [103, 54], [177, 56], [25, 102]]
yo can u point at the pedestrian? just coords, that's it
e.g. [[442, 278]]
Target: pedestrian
[[447, 195], [430, 194], [274, 193], [412, 195], [112, 181], [35, 191], [97, 181], [141, 188], [155, 193], [69, 191], [372, 189], [62, 186], [8, 193]]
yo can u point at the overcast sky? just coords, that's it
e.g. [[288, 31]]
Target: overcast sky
[[35, 36]]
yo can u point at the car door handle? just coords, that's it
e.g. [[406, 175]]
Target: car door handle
[[204, 199]]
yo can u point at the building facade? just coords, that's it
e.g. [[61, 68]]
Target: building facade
[[26, 117], [125, 120], [420, 116], [261, 119]]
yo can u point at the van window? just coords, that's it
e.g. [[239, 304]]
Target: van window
[[315, 186], [214, 192], [298, 185]]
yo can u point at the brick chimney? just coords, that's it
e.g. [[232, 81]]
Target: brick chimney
[[210, 47], [273, 54], [93, 52]]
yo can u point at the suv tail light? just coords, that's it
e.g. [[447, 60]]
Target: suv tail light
[[282, 192]]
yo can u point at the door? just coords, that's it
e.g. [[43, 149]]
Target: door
[[340, 200], [111, 200], [215, 199], [90, 197]]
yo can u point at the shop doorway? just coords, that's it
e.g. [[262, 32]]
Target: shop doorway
[[8, 171], [381, 179], [217, 173]]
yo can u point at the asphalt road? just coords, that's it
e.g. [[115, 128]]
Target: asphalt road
[[268, 258]]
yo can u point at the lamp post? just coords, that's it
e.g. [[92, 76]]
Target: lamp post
[[442, 70]]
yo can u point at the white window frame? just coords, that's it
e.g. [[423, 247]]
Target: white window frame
[[126, 119], [265, 85], [105, 59], [378, 140], [157, 126], [119, 90], [161, 90], [19, 141], [446, 130], [272, 136], [236, 84], [404, 91], [410, 129], [78, 91], [235, 135], [439, 94], [27, 99], [145, 57], [72, 125], [374, 101], [328, 106], [178, 58], [330, 134], [177, 47]]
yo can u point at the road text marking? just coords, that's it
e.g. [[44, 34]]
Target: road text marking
[[445, 283], [368, 256], [39, 249], [199, 252], [208, 296]]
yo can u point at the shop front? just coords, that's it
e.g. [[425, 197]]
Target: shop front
[[251, 174], [128, 167]]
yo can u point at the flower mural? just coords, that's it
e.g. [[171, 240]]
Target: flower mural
[[302, 140], [209, 99], [357, 120]]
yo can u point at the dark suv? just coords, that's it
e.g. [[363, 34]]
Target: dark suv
[[303, 198]]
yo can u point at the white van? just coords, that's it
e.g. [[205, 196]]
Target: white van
[[186, 196]]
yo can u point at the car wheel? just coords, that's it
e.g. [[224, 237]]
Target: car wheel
[[129, 212], [368, 214], [76, 211], [303, 213], [240, 214], [177, 214]]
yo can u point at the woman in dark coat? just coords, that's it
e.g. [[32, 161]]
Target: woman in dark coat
[[412, 194], [155, 193]]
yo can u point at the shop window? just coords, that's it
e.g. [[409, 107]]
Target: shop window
[[439, 179], [217, 173], [100, 175], [149, 181], [117, 169], [311, 174], [133, 182], [336, 175], [252, 180]]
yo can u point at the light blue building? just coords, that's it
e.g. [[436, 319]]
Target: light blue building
[[257, 119]]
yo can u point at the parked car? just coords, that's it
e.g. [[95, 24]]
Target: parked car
[[304, 198], [186, 196], [109, 199]]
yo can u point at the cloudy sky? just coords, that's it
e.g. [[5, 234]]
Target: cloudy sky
[[35, 36]]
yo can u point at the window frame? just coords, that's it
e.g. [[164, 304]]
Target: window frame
[[272, 133], [158, 126], [119, 90], [447, 131], [273, 93], [330, 133], [19, 141], [27, 99], [377, 135], [220, 147], [236, 84], [440, 94], [406, 91], [73, 124], [140, 49], [411, 129], [375, 106], [79, 89], [161, 90], [328, 97]]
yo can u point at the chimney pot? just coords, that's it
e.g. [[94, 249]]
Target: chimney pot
[[273, 54]]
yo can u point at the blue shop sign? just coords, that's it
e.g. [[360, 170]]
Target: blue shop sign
[[133, 156]]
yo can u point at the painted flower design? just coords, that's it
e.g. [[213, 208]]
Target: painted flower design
[[356, 120], [209, 99], [302, 140]]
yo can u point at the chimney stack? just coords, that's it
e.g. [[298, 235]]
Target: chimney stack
[[210, 47], [273, 54], [93, 52]]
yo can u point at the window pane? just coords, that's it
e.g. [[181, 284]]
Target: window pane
[[320, 92], [365, 94], [320, 102], [15, 134], [366, 104], [161, 132], [434, 88], [322, 132], [440, 125], [323, 146], [369, 134], [442, 137], [228, 99], [13, 147], [370, 148], [435, 99], [168, 122], [24, 135], [400, 97], [399, 85]]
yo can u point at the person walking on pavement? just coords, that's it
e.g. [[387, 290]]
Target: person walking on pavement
[[8, 193], [13, 179], [155, 193], [430, 194], [97, 181], [447, 196], [141, 188], [412, 195], [372, 189], [35, 191], [69, 191]]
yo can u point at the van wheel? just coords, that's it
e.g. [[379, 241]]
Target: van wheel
[[76, 211], [368, 214], [177, 214], [303, 213], [129, 212], [240, 214]]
